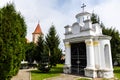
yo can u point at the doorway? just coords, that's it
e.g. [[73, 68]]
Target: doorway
[[78, 58]]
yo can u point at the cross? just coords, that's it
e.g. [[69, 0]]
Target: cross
[[83, 6]]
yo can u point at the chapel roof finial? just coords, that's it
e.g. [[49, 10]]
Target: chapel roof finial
[[83, 6]]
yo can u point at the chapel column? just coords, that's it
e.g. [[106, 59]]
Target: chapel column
[[90, 68], [110, 56], [67, 67], [111, 74]]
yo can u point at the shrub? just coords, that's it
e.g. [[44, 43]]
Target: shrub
[[44, 67]]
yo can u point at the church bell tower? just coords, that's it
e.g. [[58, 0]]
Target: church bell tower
[[37, 33]]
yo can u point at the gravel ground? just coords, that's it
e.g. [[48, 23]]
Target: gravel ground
[[23, 74]]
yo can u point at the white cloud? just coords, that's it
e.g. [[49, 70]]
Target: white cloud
[[109, 13]]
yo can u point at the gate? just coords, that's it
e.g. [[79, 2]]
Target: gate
[[78, 58]]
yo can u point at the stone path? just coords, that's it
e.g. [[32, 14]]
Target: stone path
[[23, 74], [65, 77]]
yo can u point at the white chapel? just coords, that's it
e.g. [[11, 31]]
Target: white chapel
[[88, 51]]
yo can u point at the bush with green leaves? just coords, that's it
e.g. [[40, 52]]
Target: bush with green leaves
[[44, 65], [12, 41]]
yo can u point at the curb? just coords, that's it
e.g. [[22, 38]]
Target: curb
[[29, 75]]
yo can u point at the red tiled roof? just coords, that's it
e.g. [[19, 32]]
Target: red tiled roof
[[38, 30]]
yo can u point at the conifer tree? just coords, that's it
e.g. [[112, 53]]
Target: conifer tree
[[42, 55], [94, 18], [53, 41], [12, 39], [39, 49], [30, 52]]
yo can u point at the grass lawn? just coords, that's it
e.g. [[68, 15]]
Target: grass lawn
[[84, 79], [55, 71], [117, 72]]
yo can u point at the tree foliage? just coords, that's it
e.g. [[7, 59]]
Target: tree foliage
[[94, 18], [12, 40], [39, 49], [30, 52], [53, 41], [115, 41], [42, 55]]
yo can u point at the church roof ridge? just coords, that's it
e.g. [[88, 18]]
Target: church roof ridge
[[38, 30]]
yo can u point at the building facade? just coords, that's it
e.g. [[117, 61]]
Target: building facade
[[88, 51]]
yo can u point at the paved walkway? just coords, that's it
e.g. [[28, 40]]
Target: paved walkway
[[23, 74], [65, 77], [73, 77]]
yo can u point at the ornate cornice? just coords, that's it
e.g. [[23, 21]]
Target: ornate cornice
[[83, 38]]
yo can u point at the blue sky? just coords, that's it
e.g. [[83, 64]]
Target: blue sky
[[62, 12]]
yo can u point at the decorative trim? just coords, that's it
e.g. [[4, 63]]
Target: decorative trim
[[67, 33], [95, 43], [67, 45], [86, 29], [83, 38], [89, 43], [78, 39]]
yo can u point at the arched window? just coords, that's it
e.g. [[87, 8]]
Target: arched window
[[106, 54]]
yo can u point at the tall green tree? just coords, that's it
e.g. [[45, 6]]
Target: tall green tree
[[115, 41], [53, 41], [39, 49], [42, 55], [30, 52], [12, 40]]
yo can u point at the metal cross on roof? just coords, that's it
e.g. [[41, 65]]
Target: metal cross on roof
[[83, 6]]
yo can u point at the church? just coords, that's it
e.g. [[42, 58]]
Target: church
[[36, 33], [88, 51]]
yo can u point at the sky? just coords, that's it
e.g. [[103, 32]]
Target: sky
[[62, 12]]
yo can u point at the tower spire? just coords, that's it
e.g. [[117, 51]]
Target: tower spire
[[38, 21]]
